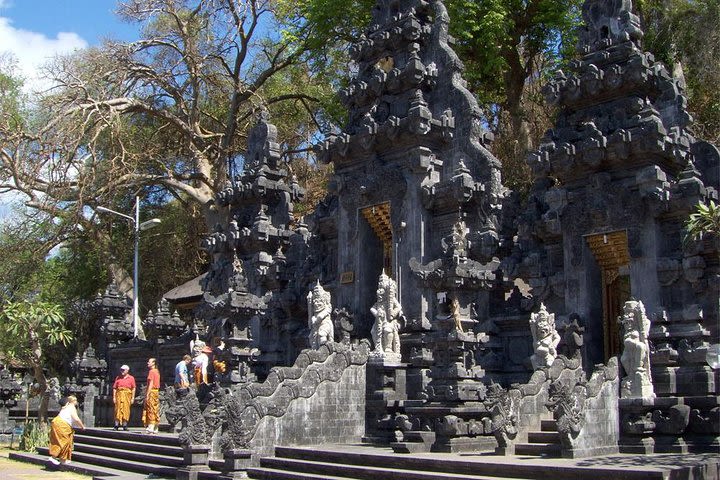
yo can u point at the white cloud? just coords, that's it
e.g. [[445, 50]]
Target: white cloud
[[33, 49]]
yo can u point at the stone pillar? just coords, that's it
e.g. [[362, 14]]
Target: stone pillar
[[195, 460], [385, 389], [237, 461]]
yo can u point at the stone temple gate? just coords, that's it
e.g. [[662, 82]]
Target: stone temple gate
[[430, 306]]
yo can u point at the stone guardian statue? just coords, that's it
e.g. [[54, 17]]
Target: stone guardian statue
[[319, 321], [635, 356], [388, 315], [545, 338]]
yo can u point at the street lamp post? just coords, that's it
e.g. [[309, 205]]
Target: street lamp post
[[138, 227]]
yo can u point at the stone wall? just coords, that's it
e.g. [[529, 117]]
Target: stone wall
[[601, 423], [334, 414]]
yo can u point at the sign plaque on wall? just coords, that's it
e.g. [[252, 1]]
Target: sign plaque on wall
[[347, 277]]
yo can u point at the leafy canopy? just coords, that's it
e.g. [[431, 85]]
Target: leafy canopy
[[26, 325]]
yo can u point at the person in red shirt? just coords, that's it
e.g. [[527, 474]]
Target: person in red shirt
[[123, 395], [151, 412]]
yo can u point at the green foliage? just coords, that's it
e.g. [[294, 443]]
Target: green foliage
[[11, 97], [705, 221], [36, 434], [28, 326], [686, 33], [505, 42]]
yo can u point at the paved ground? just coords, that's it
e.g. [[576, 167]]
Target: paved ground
[[13, 470]]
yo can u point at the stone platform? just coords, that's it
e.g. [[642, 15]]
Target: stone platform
[[119, 455]]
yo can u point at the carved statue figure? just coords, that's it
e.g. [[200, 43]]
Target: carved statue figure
[[388, 313], [456, 244], [635, 357], [545, 338], [319, 320]]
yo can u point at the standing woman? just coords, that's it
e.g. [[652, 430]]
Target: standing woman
[[61, 432], [123, 396], [151, 412]]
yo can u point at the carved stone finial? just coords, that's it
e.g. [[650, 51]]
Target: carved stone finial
[[608, 23]]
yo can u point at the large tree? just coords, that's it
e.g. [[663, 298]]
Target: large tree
[[167, 114], [170, 109]]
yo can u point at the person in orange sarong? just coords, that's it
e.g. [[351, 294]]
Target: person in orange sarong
[[62, 434], [123, 396], [151, 411]]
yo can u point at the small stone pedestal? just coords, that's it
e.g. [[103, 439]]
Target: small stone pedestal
[[653, 425], [237, 462], [88, 407], [195, 460], [385, 390]]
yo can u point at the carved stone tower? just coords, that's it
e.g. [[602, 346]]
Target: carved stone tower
[[614, 181], [411, 159], [242, 303]]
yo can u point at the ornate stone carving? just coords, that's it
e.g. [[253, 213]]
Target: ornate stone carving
[[635, 357], [182, 410], [343, 321], [10, 388], [163, 325], [319, 320], [545, 338], [503, 414], [573, 337], [388, 317], [567, 405]]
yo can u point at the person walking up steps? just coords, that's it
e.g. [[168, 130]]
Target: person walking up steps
[[62, 434], [123, 395]]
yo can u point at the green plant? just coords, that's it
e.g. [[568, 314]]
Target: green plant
[[705, 220], [36, 434]]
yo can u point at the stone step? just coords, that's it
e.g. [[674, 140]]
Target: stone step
[[135, 435], [272, 474], [118, 463], [129, 443], [511, 467], [360, 472], [548, 425], [75, 466], [543, 437], [539, 449], [134, 455]]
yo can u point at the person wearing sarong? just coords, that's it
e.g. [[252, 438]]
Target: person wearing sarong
[[123, 395], [151, 410], [61, 432], [200, 363]]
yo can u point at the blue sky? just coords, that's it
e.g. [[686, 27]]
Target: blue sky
[[90, 19], [33, 31]]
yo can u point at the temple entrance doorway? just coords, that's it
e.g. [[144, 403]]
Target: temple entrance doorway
[[610, 250], [375, 255]]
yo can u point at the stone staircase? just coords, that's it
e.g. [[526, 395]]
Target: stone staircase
[[334, 462], [105, 452], [545, 443]]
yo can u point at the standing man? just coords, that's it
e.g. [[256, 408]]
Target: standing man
[[182, 379], [151, 412], [123, 395]]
